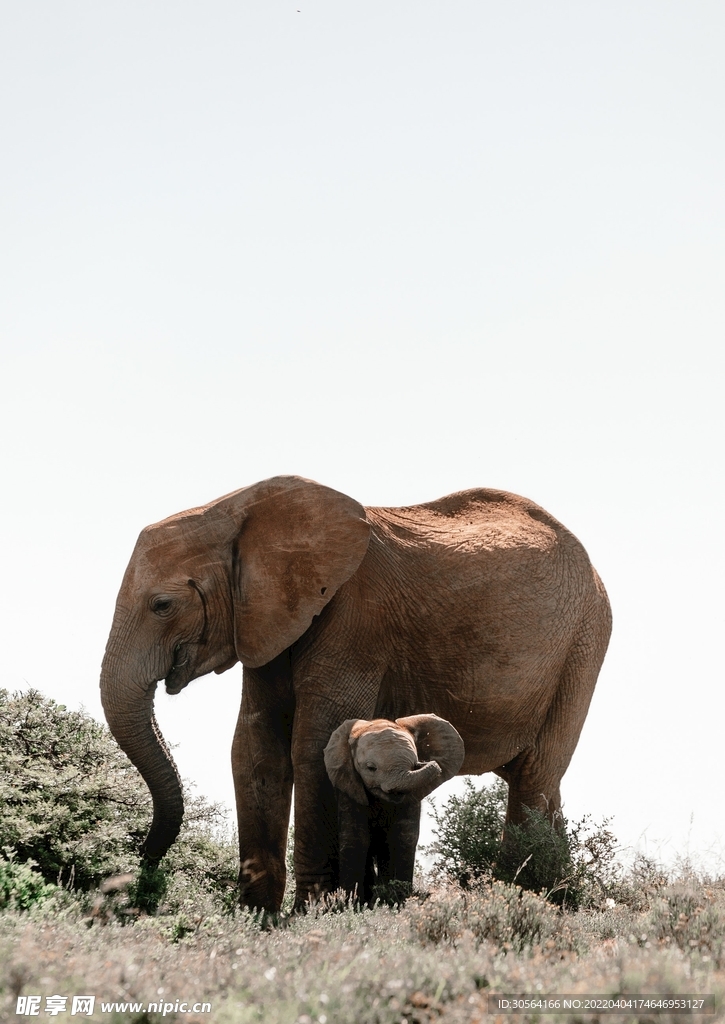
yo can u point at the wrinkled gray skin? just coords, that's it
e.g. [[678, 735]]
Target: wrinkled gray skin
[[478, 607], [381, 771]]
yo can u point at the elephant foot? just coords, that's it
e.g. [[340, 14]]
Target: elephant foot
[[259, 888]]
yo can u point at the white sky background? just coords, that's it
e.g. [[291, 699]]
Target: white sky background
[[402, 248]]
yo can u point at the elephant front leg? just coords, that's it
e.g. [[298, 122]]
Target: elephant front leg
[[316, 855], [262, 770], [317, 848]]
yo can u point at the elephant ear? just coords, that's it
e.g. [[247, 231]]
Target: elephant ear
[[298, 543], [339, 761], [436, 740]]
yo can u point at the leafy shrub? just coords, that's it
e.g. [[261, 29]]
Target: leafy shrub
[[468, 832], [69, 797], [204, 861], [685, 915], [72, 801], [438, 919], [510, 917], [147, 889], [21, 886], [641, 884], [393, 893], [574, 864], [538, 855], [504, 914]]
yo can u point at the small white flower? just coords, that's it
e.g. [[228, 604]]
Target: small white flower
[[270, 974]]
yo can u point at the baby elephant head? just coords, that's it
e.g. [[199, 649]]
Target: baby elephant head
[[393, 760]]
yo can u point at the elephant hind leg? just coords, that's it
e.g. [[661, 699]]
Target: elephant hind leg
[[534, 775]]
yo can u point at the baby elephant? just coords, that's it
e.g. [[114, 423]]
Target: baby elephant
[[381, 771]]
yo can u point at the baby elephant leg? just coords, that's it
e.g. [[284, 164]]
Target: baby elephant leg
[[354, 831], [395, 829]]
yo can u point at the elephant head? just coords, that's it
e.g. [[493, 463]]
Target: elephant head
[[239, 579], [409, 757]]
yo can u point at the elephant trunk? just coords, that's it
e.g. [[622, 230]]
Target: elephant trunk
[[128, 706], [419, 781]]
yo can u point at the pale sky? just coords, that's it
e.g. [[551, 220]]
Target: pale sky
[[403, 248]]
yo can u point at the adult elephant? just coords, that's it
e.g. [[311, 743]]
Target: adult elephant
[[479, 607]]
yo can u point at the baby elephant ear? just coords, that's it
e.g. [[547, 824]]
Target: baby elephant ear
[[339, 763], [436, 740]]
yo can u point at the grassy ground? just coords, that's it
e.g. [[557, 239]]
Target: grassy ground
[[73, 804], [438, 958]]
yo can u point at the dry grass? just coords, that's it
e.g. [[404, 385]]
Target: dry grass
[[436, 959]]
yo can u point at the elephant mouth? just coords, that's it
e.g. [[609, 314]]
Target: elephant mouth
[[181, 672], [187, 666], [392, 798], [173, 687]]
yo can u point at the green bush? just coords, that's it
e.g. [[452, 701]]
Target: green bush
[[21, 886], [71, 801], [69, 797], [393, 893], [468, 832], [573, 864]]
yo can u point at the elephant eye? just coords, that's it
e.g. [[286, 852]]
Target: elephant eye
[[161, 605], [371, 767]]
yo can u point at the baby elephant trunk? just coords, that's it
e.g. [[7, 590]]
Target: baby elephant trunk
[[419, 781]]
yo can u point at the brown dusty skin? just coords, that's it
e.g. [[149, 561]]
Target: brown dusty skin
[[479, 608]]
